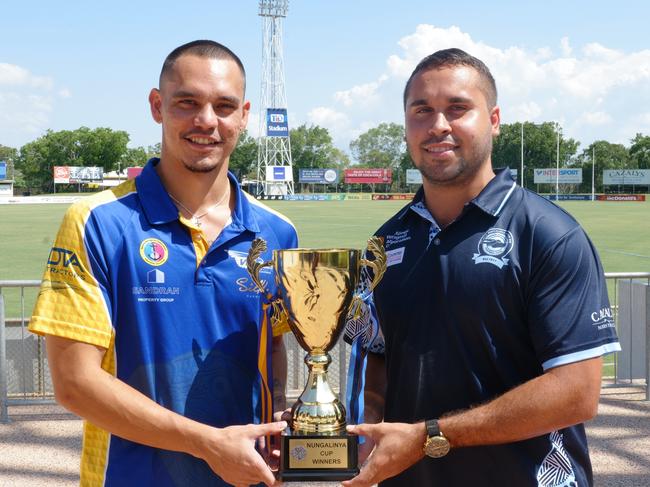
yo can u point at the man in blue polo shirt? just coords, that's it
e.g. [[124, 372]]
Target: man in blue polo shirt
[[153, 326], [493, 309]]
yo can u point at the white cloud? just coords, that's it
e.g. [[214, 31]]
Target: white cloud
[[363, 94], [26, 104], [13, 75], [594, 118], [595, 91], [65, 93]]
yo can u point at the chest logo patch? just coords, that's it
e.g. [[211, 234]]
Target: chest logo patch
[[493, 247], [394, 256], [153, 251]]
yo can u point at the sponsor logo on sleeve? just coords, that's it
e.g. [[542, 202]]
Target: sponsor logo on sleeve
[[493, 247], [603, 318], [65, 263], [153, 251]]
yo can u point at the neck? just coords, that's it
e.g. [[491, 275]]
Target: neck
[[445, 202], [195, 190]]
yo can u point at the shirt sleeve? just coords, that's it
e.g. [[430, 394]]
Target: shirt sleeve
[[569, 314], [72, 302]]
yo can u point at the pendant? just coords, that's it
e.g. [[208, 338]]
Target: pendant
[[196, 222]]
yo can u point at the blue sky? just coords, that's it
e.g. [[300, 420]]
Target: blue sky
[[584, 64]]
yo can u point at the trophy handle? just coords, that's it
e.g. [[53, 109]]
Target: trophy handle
[[254, 267], [378, 266], [279, 316]]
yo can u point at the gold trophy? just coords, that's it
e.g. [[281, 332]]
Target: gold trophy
[[316, 292]]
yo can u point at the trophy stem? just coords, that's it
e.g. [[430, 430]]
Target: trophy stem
[[318, 409]]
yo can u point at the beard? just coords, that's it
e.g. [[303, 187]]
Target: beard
[[200, 168], [458, 172]]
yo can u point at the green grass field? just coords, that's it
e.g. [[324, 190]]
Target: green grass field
[[620, 231]]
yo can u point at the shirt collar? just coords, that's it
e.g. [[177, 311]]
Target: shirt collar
[[493, 198], [159, 207]]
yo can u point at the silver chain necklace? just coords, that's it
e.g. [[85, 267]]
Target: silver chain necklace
[[196, 219]]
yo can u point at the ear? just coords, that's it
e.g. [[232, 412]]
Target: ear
[[495, 121], [155, 103], [246, 108]]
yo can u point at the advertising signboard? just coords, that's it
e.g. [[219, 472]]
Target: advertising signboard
[[368, 176], [413, 176], [276, 122], [567, 176], [627, 176], [321, 176], [77, 174], [3, 170], [279, 174]]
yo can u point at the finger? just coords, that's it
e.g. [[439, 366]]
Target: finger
[[363, 429], [365, 478], [286, 415], [269, 428]]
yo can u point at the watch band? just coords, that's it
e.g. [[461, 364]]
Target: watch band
[[433, 428]]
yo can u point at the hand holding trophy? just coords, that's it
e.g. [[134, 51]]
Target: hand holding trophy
[[316, 292]]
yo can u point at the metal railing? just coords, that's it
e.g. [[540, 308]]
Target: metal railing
[[25, 378]]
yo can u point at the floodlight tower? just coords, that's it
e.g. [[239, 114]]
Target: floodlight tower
[[274, 166]]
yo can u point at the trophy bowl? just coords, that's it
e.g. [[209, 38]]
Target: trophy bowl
[[316, 290]]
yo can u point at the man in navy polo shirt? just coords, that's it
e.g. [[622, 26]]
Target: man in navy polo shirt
[[153, 326], [493, 309]]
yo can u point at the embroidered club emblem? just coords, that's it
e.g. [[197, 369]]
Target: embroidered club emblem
[[153, 251], [493, 247]]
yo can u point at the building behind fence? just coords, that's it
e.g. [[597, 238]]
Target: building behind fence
[[25, 377]]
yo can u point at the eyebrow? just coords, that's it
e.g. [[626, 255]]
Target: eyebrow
[[453, 99], [191, 94]]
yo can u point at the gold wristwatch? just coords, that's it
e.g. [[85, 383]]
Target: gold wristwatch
[[436, 445]]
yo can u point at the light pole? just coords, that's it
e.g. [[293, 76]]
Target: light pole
[[557, 164], [593, 172], [522, 154]]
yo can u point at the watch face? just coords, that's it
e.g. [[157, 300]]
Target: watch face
[[436, 446]]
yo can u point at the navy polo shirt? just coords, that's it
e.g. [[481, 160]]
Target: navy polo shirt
[[511, 288]]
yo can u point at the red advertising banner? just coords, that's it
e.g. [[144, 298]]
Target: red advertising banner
[[61, 174], [133, 172], [620, 197], [368, 176]]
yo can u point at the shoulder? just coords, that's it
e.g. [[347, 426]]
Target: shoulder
[[100, 209], [272, 220], [542, 217]]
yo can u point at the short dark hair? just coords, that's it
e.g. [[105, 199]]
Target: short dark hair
[[456, 57], [201, 48]]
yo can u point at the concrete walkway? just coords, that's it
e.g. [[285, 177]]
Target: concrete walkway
[[40, 446]]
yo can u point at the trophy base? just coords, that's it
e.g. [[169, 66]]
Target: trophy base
[[318, 457]]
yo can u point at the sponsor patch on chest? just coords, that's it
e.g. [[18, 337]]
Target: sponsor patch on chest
[[394, 256], [493, 247]]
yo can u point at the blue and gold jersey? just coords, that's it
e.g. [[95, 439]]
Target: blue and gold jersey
[[180, 319]]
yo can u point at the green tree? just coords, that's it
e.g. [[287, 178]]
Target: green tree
[[243, 160], [383, 147], [540, 148], [100, 147], [602, 155], [640, 151], [136, 156]]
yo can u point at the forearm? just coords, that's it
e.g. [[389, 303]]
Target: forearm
[[279, 364], [559, 398]]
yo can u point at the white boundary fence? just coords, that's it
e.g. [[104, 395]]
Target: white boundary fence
[[25, 378]]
